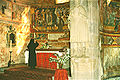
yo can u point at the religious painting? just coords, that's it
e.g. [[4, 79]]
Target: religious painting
[[5, 10], [17, 12], [111, 14], [111, 63], [50, 19]]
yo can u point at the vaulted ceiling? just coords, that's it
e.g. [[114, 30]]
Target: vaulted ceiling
[[39, 2]]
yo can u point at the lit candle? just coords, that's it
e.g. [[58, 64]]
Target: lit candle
[[10, 45]]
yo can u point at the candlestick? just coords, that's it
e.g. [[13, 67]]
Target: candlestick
[[10, 45], [9, 62]]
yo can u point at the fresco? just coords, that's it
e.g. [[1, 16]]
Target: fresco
[[10, 12], [48, 22], [5, 10], [111, 14], [17, 12], [110, 56], [50, 19], [4, 50], [111, 62], [110, 39]]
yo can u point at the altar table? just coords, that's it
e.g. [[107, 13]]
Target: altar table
[[42, 58]]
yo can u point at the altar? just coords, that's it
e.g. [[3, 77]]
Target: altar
[[42, 57]]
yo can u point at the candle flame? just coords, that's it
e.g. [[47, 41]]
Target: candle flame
[[23, 31]]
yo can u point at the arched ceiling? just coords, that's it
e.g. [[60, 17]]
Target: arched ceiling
[[39, 2]]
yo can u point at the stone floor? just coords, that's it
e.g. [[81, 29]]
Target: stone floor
[[23, 72]]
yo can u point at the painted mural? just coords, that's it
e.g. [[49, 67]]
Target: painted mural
[[50, 19], [111, 62], [110, 39], [17, 12], [5, 10], [48, 22], [3, 49], [10, 12], [110, 14], [13, 25], [51, 40]]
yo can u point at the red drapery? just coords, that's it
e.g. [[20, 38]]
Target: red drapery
[[43, 61], [61, 74]]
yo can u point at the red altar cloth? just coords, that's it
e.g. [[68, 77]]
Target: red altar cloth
[[43, 61], [61, 74]]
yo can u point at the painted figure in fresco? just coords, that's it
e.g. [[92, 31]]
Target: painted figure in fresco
[[60, 22], [111, 16], [117, 20], [105, 16], [38, 18], [32, 55], [43, 17], [3, 9], [43, 14], [65, 16], [54, 16], [37, 13], [49, 17]]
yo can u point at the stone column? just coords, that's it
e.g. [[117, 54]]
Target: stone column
[[84, 40]]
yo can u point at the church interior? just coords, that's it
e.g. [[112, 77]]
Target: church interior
[[78, 39]]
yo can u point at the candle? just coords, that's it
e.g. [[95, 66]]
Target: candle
[[10, 45], [34, 35]]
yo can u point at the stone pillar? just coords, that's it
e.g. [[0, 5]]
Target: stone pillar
[[84, 40]]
